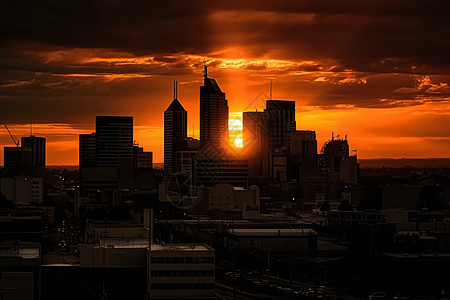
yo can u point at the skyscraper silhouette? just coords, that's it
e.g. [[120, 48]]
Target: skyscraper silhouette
[[213, 113], [175, 130], [114, 140], [86, 149], [281, 123], [37, 145]]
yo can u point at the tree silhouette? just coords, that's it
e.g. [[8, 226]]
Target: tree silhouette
[[4, 202], [345, 206], [325, 206]]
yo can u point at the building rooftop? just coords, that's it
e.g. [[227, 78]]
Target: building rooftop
[[181, 247], [175, 105], [20, 249], [419, 255], [99, 225], [60, 259], [124, 242], [272, 232], [120, 243]]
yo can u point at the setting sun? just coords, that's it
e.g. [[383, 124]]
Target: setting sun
[[235, 129], [239, 142]]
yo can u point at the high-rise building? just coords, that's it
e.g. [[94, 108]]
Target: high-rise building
[[114, 140], [213, 113], [208, 172], [281, 123], [17, 157], [175, 130], [87, 156], [256, 141], [37, 145], [333, 152], [304, 155]]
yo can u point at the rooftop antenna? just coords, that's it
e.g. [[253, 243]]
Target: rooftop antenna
[[193, 134], [175, 90], [206, 68], [31, 128], [332, 136], [270, 89]]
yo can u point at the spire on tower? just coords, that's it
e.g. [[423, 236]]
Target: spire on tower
[[206, 68], [175, 90], [270, 89]]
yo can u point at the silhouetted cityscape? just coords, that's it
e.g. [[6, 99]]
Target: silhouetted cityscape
[[224, 150], [268, 216]]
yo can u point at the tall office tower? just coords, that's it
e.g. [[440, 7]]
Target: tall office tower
[[87, 150], [114, 140], [175, 130], [213, 113], [304, 155], [333, 152], [37, 145], [281, 123], [304, 145], [256, 141]]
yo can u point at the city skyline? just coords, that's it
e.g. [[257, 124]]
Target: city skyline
[[387, 90]]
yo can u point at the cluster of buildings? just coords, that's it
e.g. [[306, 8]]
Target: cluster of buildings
[[276, 158], [129, 230], [22, 176]]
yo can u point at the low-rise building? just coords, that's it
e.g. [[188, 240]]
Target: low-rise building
[[20, 264], [299, 240], [181, 271], [22, 189], [349, 218]]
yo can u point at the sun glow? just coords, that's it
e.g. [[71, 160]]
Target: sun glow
[[235, 130], [239, 143]]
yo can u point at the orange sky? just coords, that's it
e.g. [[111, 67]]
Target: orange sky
[[376, 72]]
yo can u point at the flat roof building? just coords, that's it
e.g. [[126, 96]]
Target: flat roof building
[[181, 271]]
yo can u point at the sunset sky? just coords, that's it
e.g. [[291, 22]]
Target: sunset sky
[[376, 71]]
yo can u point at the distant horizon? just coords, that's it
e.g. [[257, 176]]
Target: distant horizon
[[359, 159]]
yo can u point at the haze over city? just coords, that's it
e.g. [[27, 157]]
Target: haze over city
[[376, 72]]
